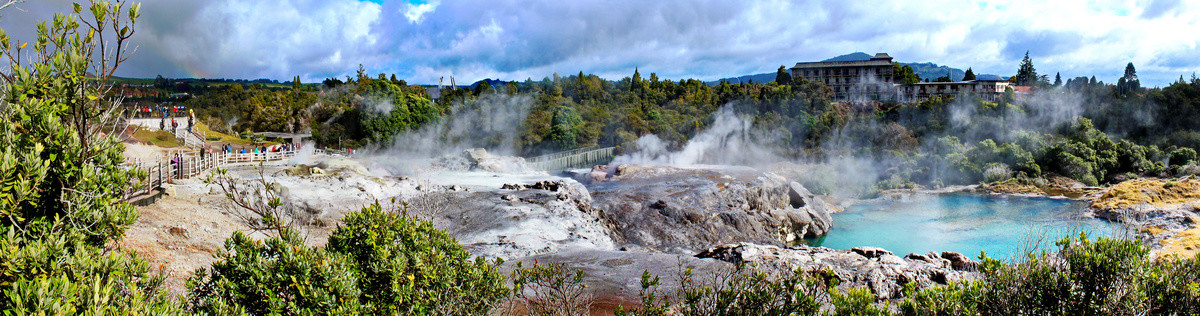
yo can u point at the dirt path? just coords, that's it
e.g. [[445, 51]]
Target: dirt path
[[180, 233], [185, 228]]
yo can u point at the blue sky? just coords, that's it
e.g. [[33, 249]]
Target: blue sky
[[519, 39]]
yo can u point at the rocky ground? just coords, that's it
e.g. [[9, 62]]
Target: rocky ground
[[877, 269], [537, 214], [686, 210], [181, 231], [615, 224], [1165, 213]]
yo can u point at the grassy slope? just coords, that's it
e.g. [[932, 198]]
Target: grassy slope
[[156, 138]]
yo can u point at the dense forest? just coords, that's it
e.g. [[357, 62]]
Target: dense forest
[[1083, 129]]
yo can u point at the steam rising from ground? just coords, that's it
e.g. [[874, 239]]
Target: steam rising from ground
[[846, 168], [1043, 112], [730, 140], [493, 122]]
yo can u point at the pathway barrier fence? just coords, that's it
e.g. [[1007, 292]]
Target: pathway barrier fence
[[577, 158], [191, 164]]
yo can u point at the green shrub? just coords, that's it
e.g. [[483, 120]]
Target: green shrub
[[375, 263], [61, 179], [407, 266], [1101, 277], [549, 289], [957, 298], [278, 276], [742, 292], [1182, 156], [1173, 287]]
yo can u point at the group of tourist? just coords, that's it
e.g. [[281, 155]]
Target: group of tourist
[[228, 148], [157, 111], [191, 121]]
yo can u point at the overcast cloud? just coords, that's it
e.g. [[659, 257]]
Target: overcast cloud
[[515, 40]]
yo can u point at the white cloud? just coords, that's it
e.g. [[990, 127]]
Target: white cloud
[[415, 12], [512, 39]]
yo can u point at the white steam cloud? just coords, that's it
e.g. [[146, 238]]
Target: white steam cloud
[[730, 140], [493, 122]]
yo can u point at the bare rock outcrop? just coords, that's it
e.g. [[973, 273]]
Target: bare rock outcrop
[[877, 269], [520, 219], [684, 210]]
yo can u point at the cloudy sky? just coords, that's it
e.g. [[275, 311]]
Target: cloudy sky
[[518, 39]]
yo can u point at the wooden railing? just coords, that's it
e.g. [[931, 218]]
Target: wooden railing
[[192, 165], [577, 158]]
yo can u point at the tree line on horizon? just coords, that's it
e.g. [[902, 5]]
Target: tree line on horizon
[[799, 120]]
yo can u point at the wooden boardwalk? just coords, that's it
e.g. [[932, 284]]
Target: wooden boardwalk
[[192, 165]]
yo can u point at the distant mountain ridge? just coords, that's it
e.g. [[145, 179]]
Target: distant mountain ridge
[[855, 56], [926, 70]]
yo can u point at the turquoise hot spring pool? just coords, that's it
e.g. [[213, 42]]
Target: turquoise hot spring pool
[[1004, 226]]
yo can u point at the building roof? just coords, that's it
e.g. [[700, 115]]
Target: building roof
[[956, 82], [880, 59], [857, 63]]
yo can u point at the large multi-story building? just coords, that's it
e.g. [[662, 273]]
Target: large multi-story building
[[858, 79], [872, 80]]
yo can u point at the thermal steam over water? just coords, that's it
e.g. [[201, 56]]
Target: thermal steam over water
[[1005, 227]]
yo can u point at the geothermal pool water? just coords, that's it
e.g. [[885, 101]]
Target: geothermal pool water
[[1003, 226]]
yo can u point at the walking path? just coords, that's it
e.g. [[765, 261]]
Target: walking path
[[188, 139]]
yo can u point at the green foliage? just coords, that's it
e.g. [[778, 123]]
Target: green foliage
[[904, 74], [956, 298], [233, 108], [567, 127], [59, 274], [782, 76], [1089, 155], [370, 111], [1026, 74], [375, 263], [407, 266], [857, 302], [61, 179], [744, 293], [1182, 156], [1085, 277], [549, 289], [279, 276]]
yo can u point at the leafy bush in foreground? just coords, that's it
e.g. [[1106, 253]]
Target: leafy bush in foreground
[[1101, 277], [61, 179], [1085, 277], [407, 266], [375, 263]]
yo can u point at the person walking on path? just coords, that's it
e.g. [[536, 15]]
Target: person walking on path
[[174, 126], [162, 125], [191, 120]]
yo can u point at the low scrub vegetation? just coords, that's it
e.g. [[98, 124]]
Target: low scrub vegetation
[[1084, 277], [376, 263]]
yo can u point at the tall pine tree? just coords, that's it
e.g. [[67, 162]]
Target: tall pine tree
[[1129, 83], [1026, 74], [970, 75]]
